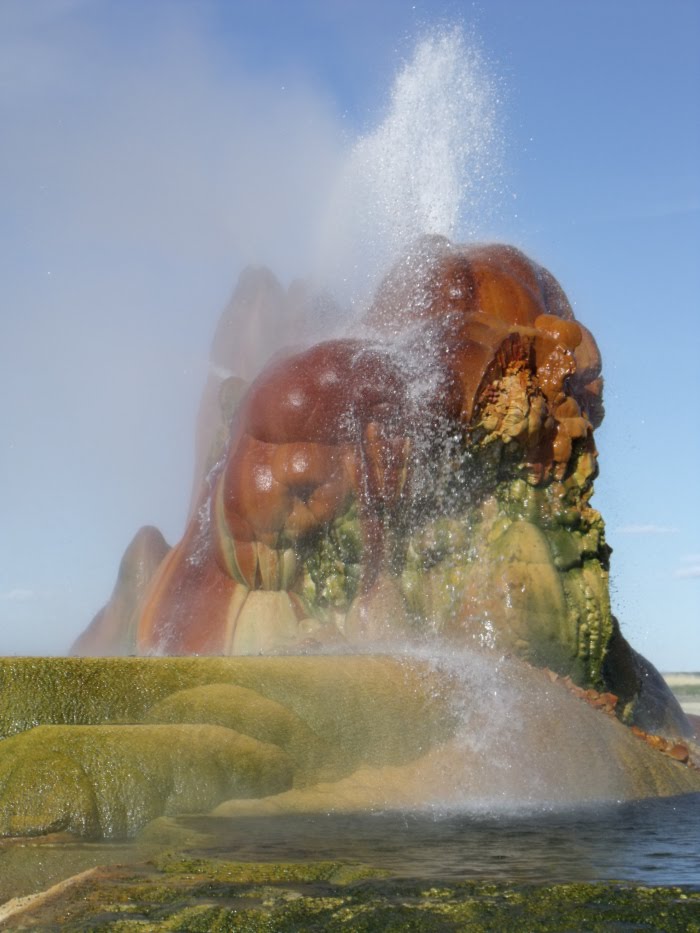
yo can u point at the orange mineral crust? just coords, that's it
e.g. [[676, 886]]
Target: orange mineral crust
[[354, 431]]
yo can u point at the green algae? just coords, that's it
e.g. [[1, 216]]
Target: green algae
[[224, 871], [516, 565], [331, 565], [174, 893], [541, 593], [336, 697], [109, 781], [111, 753], [99, 747], [245, 711]]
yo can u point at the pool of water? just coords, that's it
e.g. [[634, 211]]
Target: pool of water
[[652, 842]]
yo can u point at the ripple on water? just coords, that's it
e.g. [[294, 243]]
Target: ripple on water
[[652, 842]]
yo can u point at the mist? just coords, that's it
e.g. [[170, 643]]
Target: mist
[[138, 188], [433, 164], [152, 150], [135, 192]]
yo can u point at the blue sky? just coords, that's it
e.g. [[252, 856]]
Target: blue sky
[[150, 150]]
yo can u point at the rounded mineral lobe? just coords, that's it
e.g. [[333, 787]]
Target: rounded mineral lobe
[[323, 394], [478, 377]]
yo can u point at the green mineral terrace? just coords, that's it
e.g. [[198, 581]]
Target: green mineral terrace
[[100, 747]]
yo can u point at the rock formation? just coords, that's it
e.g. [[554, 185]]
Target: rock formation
[[426, 482], [113, 630], [419, 490], [261, 319]]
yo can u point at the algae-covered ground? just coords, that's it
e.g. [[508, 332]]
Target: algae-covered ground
[[97, 748], [210, 895]]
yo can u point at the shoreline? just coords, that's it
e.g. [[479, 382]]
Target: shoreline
[[685, 686], [169, 894]]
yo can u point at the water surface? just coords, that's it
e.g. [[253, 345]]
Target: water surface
[[651, 842]]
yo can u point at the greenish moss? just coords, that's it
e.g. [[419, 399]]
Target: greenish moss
[[533, 567], [589, 614], [444, 538], [331, 565], [339, 712], [221, 871], [325, 718], [336, 697], [296, 897], [166, 832], [248, 712], [109, 781], [533, 601], [565, 548]]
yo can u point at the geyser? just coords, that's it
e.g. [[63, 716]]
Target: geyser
[[422, 491], [431, 166], [432, 481], [429, 482], [392, 563]]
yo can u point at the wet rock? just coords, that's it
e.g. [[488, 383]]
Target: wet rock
[[261, 319], [428, 482]]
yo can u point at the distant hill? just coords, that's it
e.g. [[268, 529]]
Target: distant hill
[[686, 687]]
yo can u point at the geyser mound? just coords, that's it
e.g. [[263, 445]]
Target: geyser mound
[[101, 747], [399, 579], [429, 482], [367, 483]]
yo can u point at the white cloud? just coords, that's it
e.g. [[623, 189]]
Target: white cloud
[[648, 529], [17, 595], [689, 569], [685, 573]]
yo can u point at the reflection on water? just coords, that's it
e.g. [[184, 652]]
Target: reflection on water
[[650, 842]]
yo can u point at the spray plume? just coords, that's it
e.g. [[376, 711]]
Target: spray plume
[[431, 166]]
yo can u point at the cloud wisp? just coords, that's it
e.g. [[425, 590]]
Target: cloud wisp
[[689, 569], [17, 595], [647, 529]]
